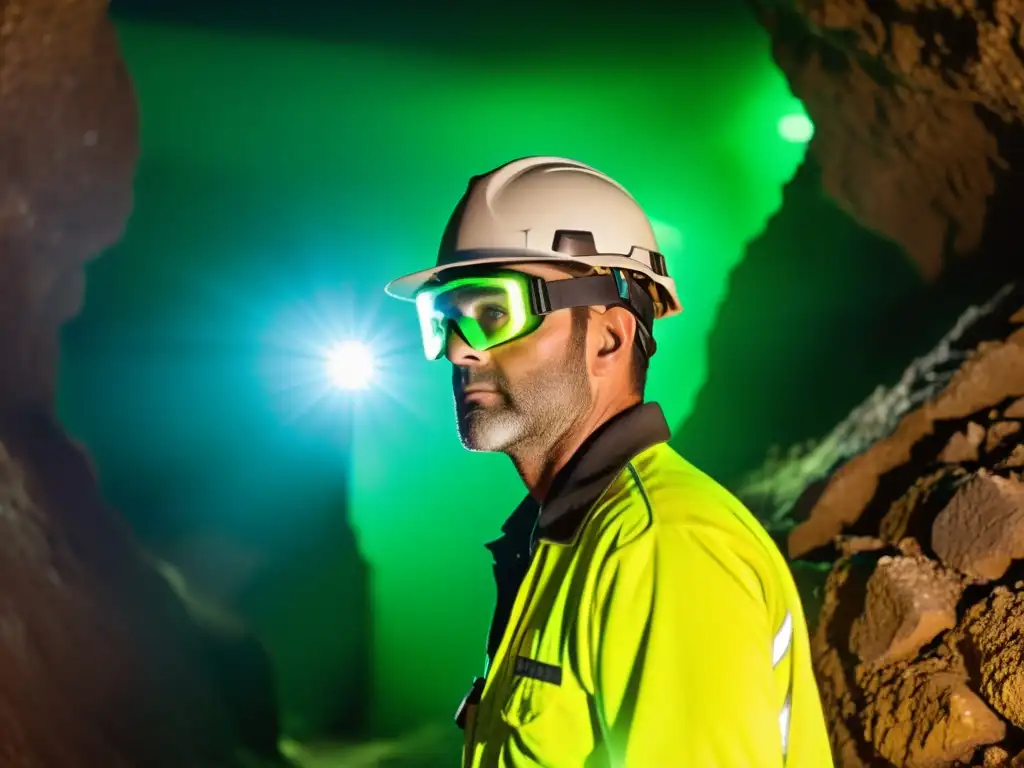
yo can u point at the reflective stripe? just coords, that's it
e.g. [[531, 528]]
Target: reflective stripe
[[780, 647], [784, 722], [782, 640]]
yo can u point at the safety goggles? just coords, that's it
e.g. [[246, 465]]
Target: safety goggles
[[500, 307]]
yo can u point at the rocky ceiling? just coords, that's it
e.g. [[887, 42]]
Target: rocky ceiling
[[917, 106]]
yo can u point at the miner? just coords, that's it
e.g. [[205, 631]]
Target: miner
[[644, 618]]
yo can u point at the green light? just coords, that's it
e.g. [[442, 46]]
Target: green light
[[796, 128], [350, 365]]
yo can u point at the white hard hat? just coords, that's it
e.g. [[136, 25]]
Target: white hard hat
[[548, 209]]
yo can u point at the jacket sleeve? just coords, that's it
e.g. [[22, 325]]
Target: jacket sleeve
[[681, 652]]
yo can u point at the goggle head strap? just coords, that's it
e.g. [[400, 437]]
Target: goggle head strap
[[615, 289]]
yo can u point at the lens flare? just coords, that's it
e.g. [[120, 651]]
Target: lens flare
[[350, 365]]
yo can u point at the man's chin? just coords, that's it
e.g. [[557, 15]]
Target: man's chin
[[480, 434], [472, 447], [480, 443]]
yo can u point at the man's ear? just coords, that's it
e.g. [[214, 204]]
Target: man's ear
[[617, 327]]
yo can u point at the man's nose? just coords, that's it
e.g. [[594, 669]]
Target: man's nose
[[458, 351]]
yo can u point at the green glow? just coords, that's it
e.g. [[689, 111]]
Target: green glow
[[435, 328], [298, 168], [796, 128]]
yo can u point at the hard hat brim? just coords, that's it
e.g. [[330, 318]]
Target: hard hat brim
[[406, 287]]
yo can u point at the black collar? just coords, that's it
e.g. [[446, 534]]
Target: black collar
[[580, 483]]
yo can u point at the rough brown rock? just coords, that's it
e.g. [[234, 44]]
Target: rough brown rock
[[911, 713], [963, 446], [101, 662], [909, 601], [899, 94], [834, 662], [918, 665], [981, 531], [926, 716], [998, 433], [1000, 757], [1015, 459], [68, 147], [994, 373], [851, 545], [991, 637], [904, 517], [1016, 410]]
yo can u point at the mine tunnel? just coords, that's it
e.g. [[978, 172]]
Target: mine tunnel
[[238, 526]]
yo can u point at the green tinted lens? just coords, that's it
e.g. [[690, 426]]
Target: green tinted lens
[[488, 311]]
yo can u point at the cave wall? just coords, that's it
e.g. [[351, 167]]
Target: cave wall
[[902, 518], [907, 550], [794, 346], [905, 212], [106, 659], [917, 109]]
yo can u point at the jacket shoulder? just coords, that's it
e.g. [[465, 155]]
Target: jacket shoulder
[[660, 490]]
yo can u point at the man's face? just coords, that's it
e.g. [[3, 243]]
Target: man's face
[[526, 392]]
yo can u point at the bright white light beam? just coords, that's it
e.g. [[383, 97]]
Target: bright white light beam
[[350, 366]]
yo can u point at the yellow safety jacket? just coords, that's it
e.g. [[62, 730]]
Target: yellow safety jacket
[[645, 619]]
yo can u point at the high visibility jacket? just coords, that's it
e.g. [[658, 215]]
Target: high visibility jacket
[[654, 624]]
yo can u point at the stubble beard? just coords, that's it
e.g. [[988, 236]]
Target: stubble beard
[[535, 413]]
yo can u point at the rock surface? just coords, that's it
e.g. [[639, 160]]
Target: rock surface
[[994, 373], [786, 487], [913, 177], [103, 660], [981, 531], [991, 636], [909, 601], [917, 107], [909, 510], [919, 642]]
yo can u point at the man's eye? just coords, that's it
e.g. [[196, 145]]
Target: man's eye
[[491, 314], [492, 318]]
